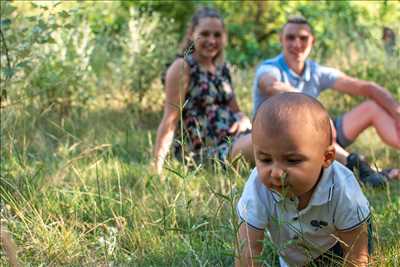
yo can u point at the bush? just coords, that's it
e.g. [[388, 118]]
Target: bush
[[62, 55], [47, 57], [147, 47]]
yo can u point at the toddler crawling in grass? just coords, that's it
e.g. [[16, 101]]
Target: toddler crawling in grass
[[311, 205]]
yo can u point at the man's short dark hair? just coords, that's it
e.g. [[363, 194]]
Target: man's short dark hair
[[298, 20]]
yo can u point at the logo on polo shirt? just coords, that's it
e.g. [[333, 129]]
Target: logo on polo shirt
[[318, 224]]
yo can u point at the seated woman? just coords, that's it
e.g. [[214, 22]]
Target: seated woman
[[199, 95]]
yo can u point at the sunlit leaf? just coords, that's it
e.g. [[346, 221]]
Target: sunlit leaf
[[63, 14], [6, 9], [23, 64], [3, 93]]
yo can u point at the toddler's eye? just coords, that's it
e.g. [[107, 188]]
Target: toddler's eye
[[294, 161], [267, 161]]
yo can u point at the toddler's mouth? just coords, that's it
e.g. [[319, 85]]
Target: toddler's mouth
[[277, 189], [284, 179], [283, 194]]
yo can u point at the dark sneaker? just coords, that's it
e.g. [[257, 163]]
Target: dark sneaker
[[366, 174], [391, 174]]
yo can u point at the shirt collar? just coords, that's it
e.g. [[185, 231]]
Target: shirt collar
[[307, 69], [324, 190]]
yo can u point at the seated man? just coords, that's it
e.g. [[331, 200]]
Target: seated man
[[292, 71], [312, 206]]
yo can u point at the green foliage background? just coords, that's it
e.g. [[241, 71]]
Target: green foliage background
[[80, 103], [253, 25]]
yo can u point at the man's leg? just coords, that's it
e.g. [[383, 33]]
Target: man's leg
[[243, 146], [354, 161], [341, 153], [369, 114]]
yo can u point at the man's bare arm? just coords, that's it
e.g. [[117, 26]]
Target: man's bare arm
[[269, 86], [373, 91]]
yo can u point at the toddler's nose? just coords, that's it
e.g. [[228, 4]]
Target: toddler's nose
[[277, 175], [276, 171]]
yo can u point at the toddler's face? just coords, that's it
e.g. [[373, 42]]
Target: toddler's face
[[290, 160]]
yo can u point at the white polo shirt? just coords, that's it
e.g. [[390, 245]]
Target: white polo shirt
[[337, 204]]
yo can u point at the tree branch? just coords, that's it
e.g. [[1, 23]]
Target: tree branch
[[6, 49]]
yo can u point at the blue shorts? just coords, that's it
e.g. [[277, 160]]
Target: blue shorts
[[341, 139]]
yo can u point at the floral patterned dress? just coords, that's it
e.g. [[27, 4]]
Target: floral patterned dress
[[206, 115]]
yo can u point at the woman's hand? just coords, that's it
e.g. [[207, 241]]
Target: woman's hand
[[241, 125], [156, 165], [156, 169]]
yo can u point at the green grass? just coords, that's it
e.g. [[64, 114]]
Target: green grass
[[77, 191]]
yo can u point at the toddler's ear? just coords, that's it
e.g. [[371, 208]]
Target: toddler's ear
[[329, 156]]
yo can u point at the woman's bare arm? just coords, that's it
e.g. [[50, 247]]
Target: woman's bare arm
[[176, 86]]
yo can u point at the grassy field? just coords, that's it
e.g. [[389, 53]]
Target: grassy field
[[77, 191]]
